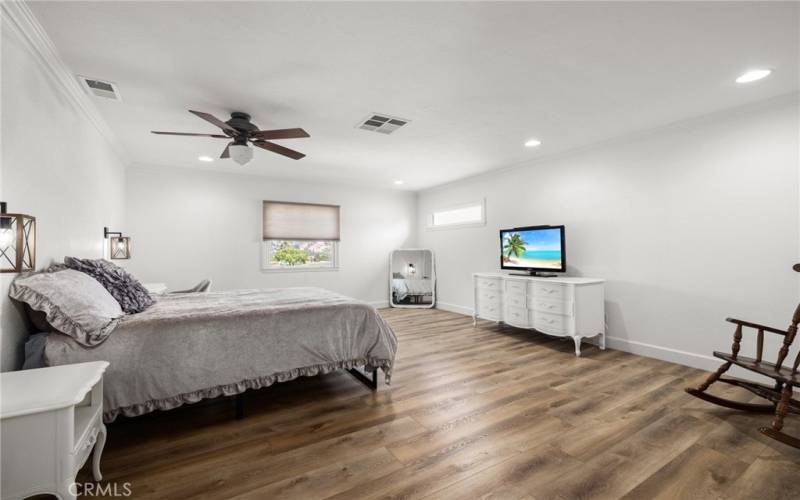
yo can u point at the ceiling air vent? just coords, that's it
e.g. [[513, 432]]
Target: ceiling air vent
[[384, 124], [100, 88]]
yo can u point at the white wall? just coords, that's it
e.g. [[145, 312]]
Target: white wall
[[187, 225], [689, 224], [57, 167]]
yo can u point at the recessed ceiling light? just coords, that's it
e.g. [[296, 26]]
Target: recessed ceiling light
[[532, 143], [399, 182], [205, 158], [753, 75]]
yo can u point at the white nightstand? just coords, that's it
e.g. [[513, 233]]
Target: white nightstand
[[155, 288], [50, 419]]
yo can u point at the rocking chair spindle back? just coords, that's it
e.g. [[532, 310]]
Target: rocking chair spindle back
[[779, 396]]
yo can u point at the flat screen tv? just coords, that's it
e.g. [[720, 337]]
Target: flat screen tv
[[533, 249]]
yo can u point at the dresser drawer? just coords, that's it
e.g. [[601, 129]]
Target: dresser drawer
[[517, 316], [551, 323], [550, 291], [490, 283], [85, 447], [516, 288], [486, 295], [490, 310], [552, 306], [513, 300]]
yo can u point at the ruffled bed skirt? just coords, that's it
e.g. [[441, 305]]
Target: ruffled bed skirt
[[239, 387]]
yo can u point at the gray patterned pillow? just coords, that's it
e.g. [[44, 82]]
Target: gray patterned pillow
[[74, 303], [131, 295]]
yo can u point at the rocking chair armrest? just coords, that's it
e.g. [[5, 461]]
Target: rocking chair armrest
[[755, 326]]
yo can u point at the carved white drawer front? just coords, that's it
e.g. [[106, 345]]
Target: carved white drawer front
[[490, 284], [550, 323], [552, 306], [516, 288], [490, 310], [549, 291], [517, 316], [516, 301], [486, 295], [84, 448]]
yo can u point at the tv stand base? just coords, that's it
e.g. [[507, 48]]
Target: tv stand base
[[534, 273]]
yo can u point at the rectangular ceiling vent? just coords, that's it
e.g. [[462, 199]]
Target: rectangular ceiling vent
[[100, 88], [381, 123]]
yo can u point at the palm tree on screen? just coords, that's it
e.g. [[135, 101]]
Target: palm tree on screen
[[514, 245]]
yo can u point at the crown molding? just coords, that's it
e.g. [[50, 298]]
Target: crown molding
[[18, 17]]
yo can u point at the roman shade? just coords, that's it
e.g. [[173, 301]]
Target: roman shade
[[300, 221]]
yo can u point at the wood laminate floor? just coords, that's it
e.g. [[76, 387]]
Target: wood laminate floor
[[485, 412]]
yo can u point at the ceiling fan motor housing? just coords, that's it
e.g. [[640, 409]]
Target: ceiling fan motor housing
[[241, 122]]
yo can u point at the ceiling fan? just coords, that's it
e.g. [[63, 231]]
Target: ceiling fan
[[242, 131]]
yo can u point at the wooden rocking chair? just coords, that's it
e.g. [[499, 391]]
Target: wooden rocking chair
[[785, 379]]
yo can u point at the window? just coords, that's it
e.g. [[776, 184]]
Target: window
[[300, 236], [468, 214]]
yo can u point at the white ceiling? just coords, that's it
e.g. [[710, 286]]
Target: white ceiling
[[476, 79]]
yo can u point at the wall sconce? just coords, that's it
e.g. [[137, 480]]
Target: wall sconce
[[411, 270], [17, 241], [119, 246]]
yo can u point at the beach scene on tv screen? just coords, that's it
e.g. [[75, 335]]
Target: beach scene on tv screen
[[539, 248]]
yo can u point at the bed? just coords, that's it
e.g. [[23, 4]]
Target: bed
[[189, 347], [413, 288]]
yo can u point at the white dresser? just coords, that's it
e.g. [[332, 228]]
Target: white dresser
[[564, 307], [50, 421]]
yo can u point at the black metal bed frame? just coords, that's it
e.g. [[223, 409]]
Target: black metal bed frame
[[371, 383]]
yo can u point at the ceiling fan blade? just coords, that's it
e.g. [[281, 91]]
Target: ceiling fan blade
[[213, 119], [226, 153], [286, 133], [270, 146], [218, 136]]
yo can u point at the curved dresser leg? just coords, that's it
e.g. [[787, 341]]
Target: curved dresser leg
[[98, 452], [577, 341]]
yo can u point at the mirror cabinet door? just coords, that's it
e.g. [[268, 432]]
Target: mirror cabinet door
[[412, 280]]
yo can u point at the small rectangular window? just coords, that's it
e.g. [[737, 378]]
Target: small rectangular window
[[300, 236], [468, 214]]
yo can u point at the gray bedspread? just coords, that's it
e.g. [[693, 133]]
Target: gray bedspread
[[188, 347]]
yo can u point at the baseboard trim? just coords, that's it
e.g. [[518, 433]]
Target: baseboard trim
[[685, 358], [379, 304], [444, 306]]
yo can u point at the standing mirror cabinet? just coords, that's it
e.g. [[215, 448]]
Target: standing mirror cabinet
[[412, 278]]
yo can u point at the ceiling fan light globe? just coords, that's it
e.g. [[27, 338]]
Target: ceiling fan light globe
[[241, 154]]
